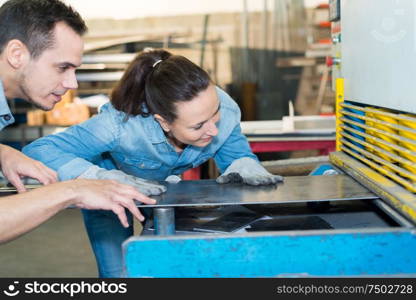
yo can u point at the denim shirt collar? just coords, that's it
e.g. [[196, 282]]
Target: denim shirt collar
[[6, 117], [154, 130]]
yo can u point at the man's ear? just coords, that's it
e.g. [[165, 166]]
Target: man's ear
[[163, 123], [16, 53]]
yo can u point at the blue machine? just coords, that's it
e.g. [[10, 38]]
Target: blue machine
[[377, 252], [376, 146]]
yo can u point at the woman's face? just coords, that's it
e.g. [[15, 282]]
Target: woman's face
[[196, 119]]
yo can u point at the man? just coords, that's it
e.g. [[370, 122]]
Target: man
[[40, 47]]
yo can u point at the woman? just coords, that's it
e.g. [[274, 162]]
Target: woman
[[165, 117]]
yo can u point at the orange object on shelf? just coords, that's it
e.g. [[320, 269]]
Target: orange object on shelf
[[35, 117], [325, 41], [323, 5], [68, 112], [324, 24]]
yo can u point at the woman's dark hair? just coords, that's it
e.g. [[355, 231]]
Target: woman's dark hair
[[32, 22], [154, 81]]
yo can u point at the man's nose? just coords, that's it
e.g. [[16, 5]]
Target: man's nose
[[70, 81]]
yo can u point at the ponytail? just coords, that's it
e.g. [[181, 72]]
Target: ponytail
[[154, 81]]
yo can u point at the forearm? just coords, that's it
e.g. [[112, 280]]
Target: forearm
[[2, 149], [24, 212], [70, 152]]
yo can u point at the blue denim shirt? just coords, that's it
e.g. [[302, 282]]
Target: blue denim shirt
[[137, 146], [6, 117]]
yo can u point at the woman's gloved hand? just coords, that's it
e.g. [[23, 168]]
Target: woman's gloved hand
[[146, 187], [248, 171], [173, 179]]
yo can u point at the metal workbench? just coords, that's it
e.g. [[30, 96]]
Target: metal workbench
[[297, 189]]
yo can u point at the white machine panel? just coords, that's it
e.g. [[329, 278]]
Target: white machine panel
[[379, 52]]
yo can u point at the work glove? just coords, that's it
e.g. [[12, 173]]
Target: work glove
[[173, 179], [248, 171], [146, 187]]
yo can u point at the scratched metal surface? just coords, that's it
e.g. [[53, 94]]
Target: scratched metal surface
[[294, 189]]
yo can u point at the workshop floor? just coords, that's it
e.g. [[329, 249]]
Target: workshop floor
[[57, 248]]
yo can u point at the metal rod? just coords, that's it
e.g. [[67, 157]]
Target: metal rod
[[164, 220], [380, 141], [393, 126], [378, 168], [393, 214], [399, 170], [204, 41], [379, 112], [245, 41]]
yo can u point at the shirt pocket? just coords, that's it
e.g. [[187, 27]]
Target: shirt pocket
[[141, 167]]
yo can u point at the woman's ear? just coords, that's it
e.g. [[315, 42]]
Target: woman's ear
[[163, 123], [17, 53]]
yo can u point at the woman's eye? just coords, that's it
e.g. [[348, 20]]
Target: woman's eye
[[198, 127]]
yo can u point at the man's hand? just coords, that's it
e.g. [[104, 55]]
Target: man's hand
[[16, 165], [108, 195], [147, 187], [248, 171]]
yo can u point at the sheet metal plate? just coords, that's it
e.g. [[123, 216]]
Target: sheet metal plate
[[294, 189]]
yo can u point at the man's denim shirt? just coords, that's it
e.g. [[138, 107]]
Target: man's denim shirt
[[137, 146], [6, 117]]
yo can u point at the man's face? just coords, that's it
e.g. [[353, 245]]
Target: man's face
[[46, 78]]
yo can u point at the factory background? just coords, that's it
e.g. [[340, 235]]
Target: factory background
[[280, 61]]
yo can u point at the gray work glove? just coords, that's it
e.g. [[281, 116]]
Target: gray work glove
[[146, 187], [248, 171], [173, 179]]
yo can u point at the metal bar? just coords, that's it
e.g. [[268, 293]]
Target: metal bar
[[393, 126], [245, 41], [5, 190], [380, 169], [393, 214], [400, 198], [274, 146], [379, 112], [378, 140], [204, 41], [108, 58], [100, 76], [164, 220], [378, 149], [339, 98]]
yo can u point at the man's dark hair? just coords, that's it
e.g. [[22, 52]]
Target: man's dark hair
[[156, 80], [32, 22]]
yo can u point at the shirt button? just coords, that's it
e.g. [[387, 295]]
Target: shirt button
[[7, 117]]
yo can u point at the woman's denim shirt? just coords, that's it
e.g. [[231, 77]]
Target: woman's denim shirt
[[138, 145]]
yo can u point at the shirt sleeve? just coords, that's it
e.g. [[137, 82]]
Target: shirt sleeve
[[235, 145], [74, 150]]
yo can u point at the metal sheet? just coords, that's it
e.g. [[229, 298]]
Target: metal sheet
[[294, 189], [6, 190]]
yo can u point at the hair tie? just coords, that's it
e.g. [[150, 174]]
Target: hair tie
[[155, 64]]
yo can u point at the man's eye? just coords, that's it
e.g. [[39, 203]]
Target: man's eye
[[198, 127]]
